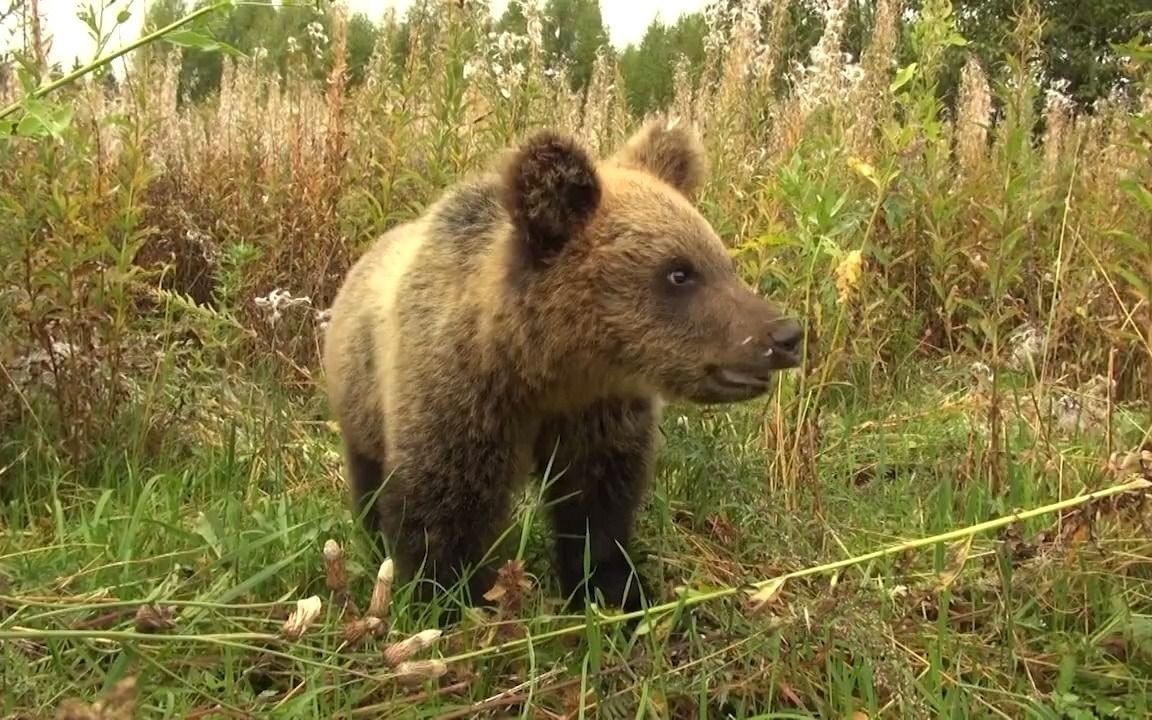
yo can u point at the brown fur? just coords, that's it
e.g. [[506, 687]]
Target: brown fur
[[534, 309]]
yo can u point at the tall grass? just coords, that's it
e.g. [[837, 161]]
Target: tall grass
[[980, 219], [976, 278]]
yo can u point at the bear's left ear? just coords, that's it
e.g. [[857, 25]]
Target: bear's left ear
[[668, 150], [551, 190]]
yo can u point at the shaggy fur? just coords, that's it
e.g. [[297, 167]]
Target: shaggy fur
[[547, 307]]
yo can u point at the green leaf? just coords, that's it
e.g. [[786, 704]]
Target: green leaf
[[205, 528], [653, 623], [902, 77], [42, 118], [1135, 281], [1131, 243], [123, 16], [191, 39], [1138, 192], [1136, 50]]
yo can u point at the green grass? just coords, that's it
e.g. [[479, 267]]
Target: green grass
[[223, 519]]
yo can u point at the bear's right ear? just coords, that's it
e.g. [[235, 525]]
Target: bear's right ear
[[551, 190], [670, 151]]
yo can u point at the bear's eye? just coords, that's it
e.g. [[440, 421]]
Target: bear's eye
[[681, 275]]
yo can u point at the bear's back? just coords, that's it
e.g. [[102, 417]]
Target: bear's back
[[414, 284]]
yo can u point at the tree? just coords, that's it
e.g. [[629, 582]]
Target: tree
[[279, 37], [1075, 45], [648, 70], [573, 34], [362, 38]]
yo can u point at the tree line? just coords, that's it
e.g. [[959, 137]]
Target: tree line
[[1076, 44]]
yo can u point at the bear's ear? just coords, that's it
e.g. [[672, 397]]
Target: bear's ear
[[551, 190], [668, 150]]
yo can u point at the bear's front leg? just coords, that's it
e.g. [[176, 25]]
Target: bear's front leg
[[600, 464], [446, 503]]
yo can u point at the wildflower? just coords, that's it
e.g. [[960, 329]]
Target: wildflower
[[323, 317], [821, 80], [853, 74], [1027, 343], [275, 302], [1058, 109]]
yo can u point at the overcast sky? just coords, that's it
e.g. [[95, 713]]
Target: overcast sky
[[626, 20]]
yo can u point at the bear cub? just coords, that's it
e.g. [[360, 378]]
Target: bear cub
[[537, 316]]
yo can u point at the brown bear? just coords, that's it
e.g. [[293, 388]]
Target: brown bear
[[538, 316]]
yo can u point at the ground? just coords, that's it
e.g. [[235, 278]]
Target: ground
[[1048, 618]]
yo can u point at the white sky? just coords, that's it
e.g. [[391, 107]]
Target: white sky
[[626, 21]]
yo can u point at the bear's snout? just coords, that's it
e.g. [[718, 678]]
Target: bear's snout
[[786, 345], [766, 339]]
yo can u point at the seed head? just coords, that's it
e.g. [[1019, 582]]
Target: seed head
[[150, 619], [357, 630], [417, 671], [306, 612], [382, 591], [399, 653], [335, 573]]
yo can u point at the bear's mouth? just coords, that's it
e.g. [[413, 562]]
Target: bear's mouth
[[737, 379], [724, 384]]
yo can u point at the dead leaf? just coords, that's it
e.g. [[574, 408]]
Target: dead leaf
[[789, 694], [955, 565], [510, 588], [119, 704], [766, 595], [151, 619], [1078, 526]]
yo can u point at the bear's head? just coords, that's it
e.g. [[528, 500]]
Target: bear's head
[[617, 252]]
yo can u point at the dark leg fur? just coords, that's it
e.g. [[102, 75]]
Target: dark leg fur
[[365, 475], [602, 463], [444, 505]]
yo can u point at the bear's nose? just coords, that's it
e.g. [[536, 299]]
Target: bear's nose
[[787, 335]]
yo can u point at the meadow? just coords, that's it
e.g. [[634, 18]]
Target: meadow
[[174, 535]]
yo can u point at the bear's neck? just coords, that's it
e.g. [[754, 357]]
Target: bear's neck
[[554, 348]]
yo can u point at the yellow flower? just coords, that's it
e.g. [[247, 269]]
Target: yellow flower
[[848, 275]]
